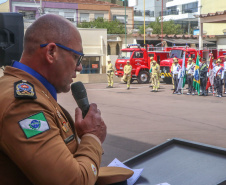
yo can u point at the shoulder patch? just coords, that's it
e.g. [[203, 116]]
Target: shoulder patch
[[34, 125], [94, 169], [23, 89]]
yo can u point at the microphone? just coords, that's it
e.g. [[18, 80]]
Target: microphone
[[80, 96]]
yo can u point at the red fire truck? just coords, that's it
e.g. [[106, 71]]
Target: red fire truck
[[218, 54], [140, 60], [165, 65]]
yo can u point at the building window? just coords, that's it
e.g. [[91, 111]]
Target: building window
[[120, 18], [54, 12], [185, 25], [190, 8], [71, 19], [84, 17], [69, 16], [141, 13], [29, 15], [109, 49], [90, 65], [117, 49], [172, 11], [98, 15]]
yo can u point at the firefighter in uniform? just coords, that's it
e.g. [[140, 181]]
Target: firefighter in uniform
[[155, 69], [219, 71], [176, 70], [110, 72], [127, 74], [203, 77], [151, 61], [224, 74], [171, 69], [190, 69]]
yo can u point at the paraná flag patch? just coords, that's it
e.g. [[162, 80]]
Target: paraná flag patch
[[34, 125]]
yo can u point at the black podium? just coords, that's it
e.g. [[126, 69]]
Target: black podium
[[181, 162]]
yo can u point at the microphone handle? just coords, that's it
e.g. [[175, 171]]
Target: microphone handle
[[83, 104]]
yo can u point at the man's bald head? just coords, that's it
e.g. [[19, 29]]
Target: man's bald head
[[49, 28]]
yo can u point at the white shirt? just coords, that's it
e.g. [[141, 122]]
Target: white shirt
[[217, 71], [176, 69], [190, 68]]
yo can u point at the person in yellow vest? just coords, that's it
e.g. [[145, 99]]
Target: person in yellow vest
[[172, 73], [155, 69], [127, 74], [151, 60], [110, 72]]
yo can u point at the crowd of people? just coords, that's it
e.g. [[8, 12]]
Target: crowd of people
[[201, 75]]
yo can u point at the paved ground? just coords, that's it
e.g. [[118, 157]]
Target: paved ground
[[138, 119]]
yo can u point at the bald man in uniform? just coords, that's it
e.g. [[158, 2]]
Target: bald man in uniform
[[38, 142]]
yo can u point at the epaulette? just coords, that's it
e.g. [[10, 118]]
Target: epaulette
[[24, 90]]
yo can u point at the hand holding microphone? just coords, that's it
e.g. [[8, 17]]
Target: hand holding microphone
[[88, 118]]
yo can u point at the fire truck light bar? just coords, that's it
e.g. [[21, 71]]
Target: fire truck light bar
[[130, 45]]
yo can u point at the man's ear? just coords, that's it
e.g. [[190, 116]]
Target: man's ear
[[51, 49]]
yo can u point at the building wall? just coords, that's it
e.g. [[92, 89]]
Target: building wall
[[4, 6], [92, 14], [68, 10], [209, 6], [221, 43], [94, 43], [129, 13]]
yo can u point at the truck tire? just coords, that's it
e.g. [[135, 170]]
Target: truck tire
[[167, 80], [143, 77]]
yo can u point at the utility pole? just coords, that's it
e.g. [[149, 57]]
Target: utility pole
[[125, 23], [200, 27], [40, 9], [162, 24], [144, 21]]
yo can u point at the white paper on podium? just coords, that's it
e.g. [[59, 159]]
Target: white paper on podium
[[136, 175]]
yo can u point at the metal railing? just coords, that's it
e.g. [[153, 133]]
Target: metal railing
[[169, 12], [141, 13], [191, 10]]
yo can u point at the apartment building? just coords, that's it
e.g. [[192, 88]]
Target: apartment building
[[151, 10], [31, 10], [89, 10], [182, 12]]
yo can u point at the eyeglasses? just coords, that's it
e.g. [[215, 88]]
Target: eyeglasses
[[81, 55]]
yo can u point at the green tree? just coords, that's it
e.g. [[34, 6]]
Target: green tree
[[169, 27], [113, 27]]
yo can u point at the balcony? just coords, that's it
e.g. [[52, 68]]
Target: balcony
[[189, 10], [169, 12], [141, 13]]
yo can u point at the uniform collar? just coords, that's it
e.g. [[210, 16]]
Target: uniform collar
[[35, 74]]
